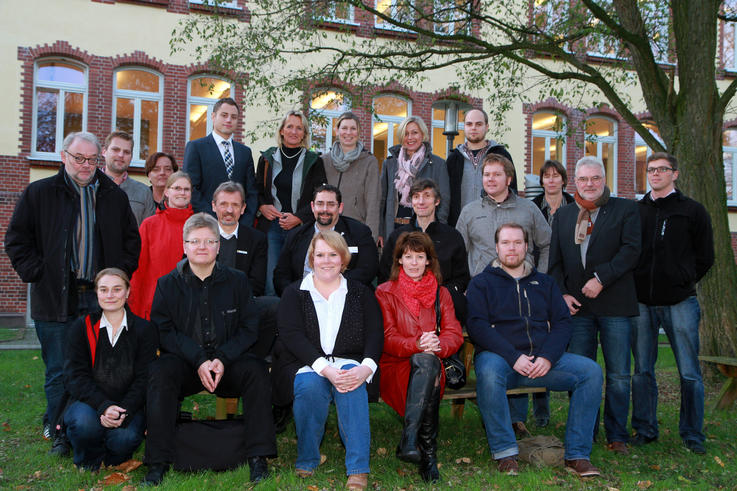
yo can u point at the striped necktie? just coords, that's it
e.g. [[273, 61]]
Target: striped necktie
[[228, 157]]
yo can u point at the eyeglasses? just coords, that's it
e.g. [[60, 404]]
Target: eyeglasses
[[592, 180], [659, 170], [326, 204], [198, 242], [179, 189], [81, 160]]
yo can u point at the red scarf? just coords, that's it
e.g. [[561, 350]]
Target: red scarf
[[418, 294], [584, 225]]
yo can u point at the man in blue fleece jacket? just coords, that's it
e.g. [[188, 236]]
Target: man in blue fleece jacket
[[520, 325]]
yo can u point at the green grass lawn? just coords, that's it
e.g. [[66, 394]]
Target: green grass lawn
[[666, 464]]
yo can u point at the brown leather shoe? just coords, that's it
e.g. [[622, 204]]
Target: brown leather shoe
[[520, 430], [582, 467], [618, 447], [304, 474], [508, 466], [357, 481]]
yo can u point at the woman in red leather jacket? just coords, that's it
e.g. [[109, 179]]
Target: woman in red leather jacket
[[412, 375]]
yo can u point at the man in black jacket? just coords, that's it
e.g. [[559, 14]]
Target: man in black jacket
[[206, 322], [677, 251], [64, 230], [327, 205], [244, 248], [448, 242], [593, 252], [464, 163]]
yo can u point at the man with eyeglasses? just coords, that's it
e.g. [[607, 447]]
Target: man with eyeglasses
[[206, 320], [593, 252], [677, 251], [64, 230], [118, 153]]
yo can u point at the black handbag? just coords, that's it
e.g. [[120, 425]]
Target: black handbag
[[455, 370], [209, 445]]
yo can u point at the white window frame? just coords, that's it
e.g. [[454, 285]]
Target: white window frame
[[550, 136], [640, 142], [230, 4], [390, 120], [600, 142], [733, 48], [137, 97], [393, 14], [203, 101], [63, 88], [733, 152], [330, 114], [439, 123], [454, 15], [330, 15]]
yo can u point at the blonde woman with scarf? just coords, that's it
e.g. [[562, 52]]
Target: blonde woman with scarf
[[411, 160]]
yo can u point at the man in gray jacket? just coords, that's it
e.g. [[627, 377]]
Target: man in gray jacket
[[118, 152], [479, 219]]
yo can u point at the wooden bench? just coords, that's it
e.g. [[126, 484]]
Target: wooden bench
[[728, 367]]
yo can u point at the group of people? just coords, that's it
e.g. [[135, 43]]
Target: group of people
[[263, 285]]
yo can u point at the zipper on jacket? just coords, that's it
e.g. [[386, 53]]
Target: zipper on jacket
[[527, 320], [652, 262]]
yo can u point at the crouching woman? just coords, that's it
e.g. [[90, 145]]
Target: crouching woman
[[105, 373], [332, 327]]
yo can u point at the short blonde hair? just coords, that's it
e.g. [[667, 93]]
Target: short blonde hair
[[336, 242], [420, 124], [305, 124], [180, 174]]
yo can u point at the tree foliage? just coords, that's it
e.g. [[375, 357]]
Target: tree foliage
[[508, 49]]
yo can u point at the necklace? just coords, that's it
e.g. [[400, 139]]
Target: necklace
[[299, 150]]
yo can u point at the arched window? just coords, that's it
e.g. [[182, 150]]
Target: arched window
[[439, 140], [729, 147], [601, 142], [59, 106], [548, 139], [203, 91], [325, 108], [389, 112], [729, 39], [642, 152], [137, 96]]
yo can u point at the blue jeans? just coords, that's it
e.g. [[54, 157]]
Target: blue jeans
[[52, 336], [681, 324], [519, 404], [615, 334], [275, 238], [571, 373], [312, 396], [93, 443]]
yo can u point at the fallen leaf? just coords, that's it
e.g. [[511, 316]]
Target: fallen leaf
[[114, 478], [313, 488], [37, 475], [718, 461], [609, 488], [644, 484], [655, 467], [27, 386], [195, 407], [684, 479], [128, 487], [381, 451], [34, 358], [128, 466], [464, 460], [6, 426], [401, 471], [323, 458]]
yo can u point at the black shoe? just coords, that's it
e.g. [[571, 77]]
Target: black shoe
[[429, 471], [60, 447], [259, 468], [542, 422], [639, 440], [155, 474], [695, 447], [282, 416]]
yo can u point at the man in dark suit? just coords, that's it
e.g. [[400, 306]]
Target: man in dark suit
[[594, 250], [245, 248], [217, 158], [327, 205]]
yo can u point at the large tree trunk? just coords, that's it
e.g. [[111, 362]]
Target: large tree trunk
[[696, 142]]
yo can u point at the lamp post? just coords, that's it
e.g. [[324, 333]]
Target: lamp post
[[450, 129]]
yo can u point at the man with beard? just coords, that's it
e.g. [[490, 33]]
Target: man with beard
[[464, 163], [526, 346], [327, 206]]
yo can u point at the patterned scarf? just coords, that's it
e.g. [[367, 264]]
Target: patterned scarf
[[475, 159], [584, 225], [83, 240], [418, 294], [406, 171], [342, 161]]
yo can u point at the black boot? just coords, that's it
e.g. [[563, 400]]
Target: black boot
[[155, 474], [424, 371], [427, 438]]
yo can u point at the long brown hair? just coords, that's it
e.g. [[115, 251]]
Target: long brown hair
[[417, 242]]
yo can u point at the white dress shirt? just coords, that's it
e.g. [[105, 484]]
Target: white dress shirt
[[219, 140], [105, 324]]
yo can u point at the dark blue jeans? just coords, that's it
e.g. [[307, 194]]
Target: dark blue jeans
[[275, 238], [681, 324], [614, 333], [572, 373], [93, 443]]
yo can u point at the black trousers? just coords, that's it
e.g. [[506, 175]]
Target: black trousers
[[171, 379]]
